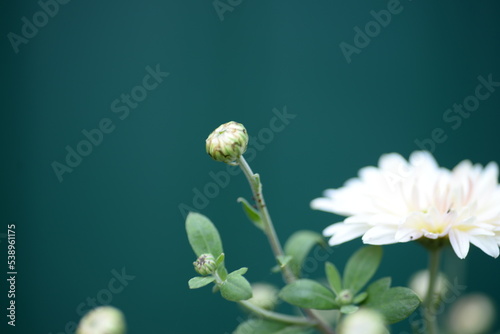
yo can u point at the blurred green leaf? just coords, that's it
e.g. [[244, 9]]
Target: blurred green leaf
[[360, 298], [348, 309], [251, 213], [219, 260], [395, 304], [299, 245], [378, 287], [333, 276], [198, 282], [294, 330], [261, 326], [241, 271], [236, 288], [361, 267], [284, 260], [308, 294], [203, 235]]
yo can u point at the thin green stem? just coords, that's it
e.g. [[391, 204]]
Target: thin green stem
[[292, 320], [288, 276], [430, 301]]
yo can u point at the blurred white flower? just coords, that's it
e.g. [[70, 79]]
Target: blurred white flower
[[102, 320], [401, 200], [364, 321], [419, 283], [264, 295], [472, 314]]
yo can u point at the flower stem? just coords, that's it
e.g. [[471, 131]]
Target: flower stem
[[430, 301], [270, 232], [292, 320]]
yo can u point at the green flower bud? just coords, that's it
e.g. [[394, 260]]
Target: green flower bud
[[102, 320], [205, 264], [264, 295], [364, 321], [345, 297], [227, 143]]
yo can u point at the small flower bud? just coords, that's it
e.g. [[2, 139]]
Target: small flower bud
[[227, 143], [364, 321], [344, 297], [205, 264], [472, 314], [264, 296], [419, 283], [102, 320]]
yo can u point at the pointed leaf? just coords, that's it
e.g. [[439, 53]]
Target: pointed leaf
[[333, 276], [360, 298], [395, 304], [236, 288], [377, 288], [219, 260], [348, 309], [260, 326], [299, 245], [361, 267], [241, 271], [308, 294], [283, 260], [203, 235], [251, 213], [200, 281]]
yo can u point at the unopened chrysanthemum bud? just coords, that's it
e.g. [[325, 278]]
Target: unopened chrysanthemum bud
[[419, 283], [264, 296], [228, 142], [344, 297], [102, 320], [472, 314], [364, 321], [205, 264]]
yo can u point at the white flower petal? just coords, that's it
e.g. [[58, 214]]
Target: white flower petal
[[486, 244], [342, 232], [405, 234], [380, 235], [460, 243]]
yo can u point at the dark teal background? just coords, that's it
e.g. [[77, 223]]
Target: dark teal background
[[120, 207]]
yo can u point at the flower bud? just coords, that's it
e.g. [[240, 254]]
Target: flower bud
[[419, 283], [364, 321], [264, 296], [472, 314], [102, 320], [227, 143], [205, 264], [344, 297]]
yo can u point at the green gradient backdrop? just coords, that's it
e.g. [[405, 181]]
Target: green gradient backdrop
[[120, 207]]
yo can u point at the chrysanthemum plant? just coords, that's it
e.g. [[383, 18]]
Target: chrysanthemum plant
[[399, 201]]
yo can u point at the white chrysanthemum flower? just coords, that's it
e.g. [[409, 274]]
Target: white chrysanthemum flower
[[401, 200]]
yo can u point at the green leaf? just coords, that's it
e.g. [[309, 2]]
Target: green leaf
[[200, 281], [283, 260], [251, 213], [294, 330], [203, 235], [219, 260], [260, 326], [361, 267], [222, 272], [299, 245], [348, 309], [236, 288], [333, 276], [360, 298], [378, 287], [308, 294], [395, 304], [241, 271]]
